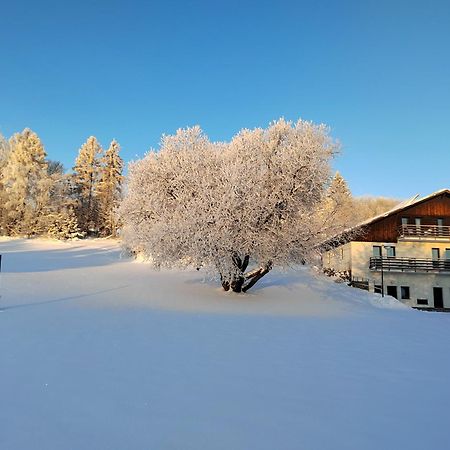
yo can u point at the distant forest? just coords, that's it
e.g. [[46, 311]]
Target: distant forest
[[38, 197]]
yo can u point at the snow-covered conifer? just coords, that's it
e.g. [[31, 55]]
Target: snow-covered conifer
[[26, 184], [337, 210], [86, 178], [64, 225], [110, 188], [4, 154]]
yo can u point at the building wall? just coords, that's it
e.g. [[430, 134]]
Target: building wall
[[339, 259], [420, 284]]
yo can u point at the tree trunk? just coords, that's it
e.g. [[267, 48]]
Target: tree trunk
[[239, 281], [255, 275]]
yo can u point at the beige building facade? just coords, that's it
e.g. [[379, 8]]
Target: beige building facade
[[404, 253]]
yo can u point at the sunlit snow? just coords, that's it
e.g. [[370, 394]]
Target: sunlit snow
[[98, 351]]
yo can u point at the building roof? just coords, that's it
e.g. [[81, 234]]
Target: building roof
[[413, 201]]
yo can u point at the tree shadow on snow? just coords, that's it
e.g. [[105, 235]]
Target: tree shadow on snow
[[27, 261]]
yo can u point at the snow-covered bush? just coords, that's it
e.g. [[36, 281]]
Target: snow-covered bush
[[252, 203]]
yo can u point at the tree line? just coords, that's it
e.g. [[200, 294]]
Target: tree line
[[37, 197], [266, 198]]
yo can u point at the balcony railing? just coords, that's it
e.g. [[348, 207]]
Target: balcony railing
[[425, 231], [409, 264]]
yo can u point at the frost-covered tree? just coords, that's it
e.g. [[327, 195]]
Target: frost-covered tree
[[86, 178], [249, 204], [4, 154], [368, 207], [110, 188], [61, 221], [55, 167], [63, 224], [26, 184], [337, 206]]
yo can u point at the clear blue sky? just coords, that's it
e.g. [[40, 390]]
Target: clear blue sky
[[377, 72]]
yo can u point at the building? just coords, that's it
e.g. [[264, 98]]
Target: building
[[404, 252]]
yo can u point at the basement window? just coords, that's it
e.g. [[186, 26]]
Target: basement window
[[422, 301], [377, 289]]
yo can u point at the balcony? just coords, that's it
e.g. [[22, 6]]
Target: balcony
[[424, 232], [409, 265]]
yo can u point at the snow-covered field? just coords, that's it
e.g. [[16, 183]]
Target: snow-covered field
[[100, 352]]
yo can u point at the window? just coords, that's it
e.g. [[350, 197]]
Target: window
[[405, 220], [405, 292], [377, 289], [435, 255], [390, 252], [376, 251], [447, 259], [392, 291], [422, 301], [440, 223], [418, 221]]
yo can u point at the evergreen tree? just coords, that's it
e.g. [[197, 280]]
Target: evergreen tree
[[4, 154], [86, 179], [338, 205], [339, 191], [64, 225], [26, 184], [110, 188]]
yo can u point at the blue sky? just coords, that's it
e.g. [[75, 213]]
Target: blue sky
[[377, 72]]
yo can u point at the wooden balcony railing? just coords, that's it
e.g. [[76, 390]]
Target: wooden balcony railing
[[425, 231], [409, 264]]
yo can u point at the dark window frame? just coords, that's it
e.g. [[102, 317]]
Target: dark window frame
[[380, 254]]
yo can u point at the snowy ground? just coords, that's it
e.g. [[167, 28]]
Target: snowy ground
[[100, 352]]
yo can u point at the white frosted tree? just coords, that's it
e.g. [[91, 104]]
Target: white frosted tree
[[110, 189], [337, 210], [4, 155], [26, 184], [61, 221], [249, 204], [86, 174]]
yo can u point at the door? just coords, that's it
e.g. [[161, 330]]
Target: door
[[392, 290], [438, 297]]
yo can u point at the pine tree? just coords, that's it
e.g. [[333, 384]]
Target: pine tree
[[64, 225], [110, 188], [4, 154], [86, 179], [337, 209], [340, 192], [26, 184]]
